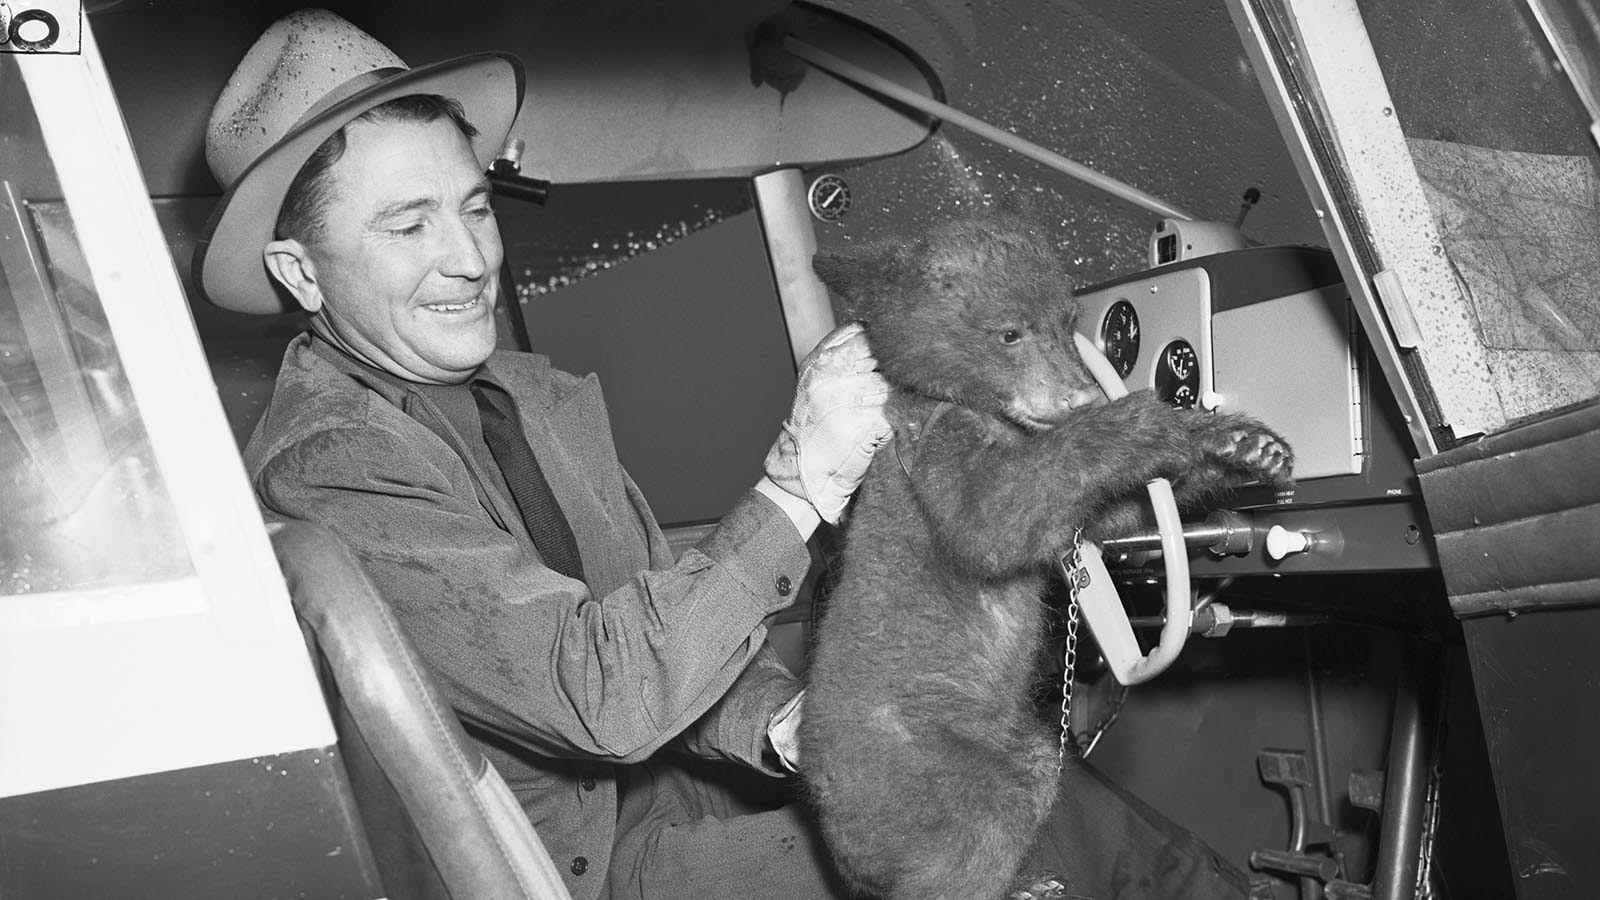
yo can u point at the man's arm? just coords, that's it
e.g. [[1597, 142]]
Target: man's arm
[[523, 651]]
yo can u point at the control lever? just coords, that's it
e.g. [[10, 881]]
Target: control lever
[[1291, 770], [1224, 532], [1097, 596], [1216, 619], [1281, 542]]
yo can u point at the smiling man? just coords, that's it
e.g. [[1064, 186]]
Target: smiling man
[[402, 272], [481, 489]]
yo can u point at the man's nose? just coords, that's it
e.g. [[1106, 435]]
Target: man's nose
[[462, 256]]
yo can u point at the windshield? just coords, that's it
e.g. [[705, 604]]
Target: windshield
[[1503, 148], [85, 505]]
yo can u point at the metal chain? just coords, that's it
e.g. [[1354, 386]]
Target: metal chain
[[1077, 579], [1424, 888], [1090, 739]]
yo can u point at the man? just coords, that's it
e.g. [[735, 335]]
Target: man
[[364, 196], [482, 491]]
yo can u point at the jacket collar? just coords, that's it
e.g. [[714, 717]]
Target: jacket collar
[[434, 408]]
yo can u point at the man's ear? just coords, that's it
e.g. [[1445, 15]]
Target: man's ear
[[290, 264]]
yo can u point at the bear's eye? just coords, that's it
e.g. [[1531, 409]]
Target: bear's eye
[[1010, 336]]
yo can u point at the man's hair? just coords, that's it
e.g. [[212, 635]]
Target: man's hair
[[303, 215]]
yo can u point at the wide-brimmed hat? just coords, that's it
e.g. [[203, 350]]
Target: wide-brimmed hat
[[307, 76]]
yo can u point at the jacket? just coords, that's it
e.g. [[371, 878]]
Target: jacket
[[566, 685]]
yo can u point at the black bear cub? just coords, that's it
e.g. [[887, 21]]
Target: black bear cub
[[928, 764]]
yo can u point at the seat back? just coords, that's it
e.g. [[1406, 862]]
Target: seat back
[[441, 820]]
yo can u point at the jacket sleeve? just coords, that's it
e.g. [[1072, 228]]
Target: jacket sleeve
[[736, 726], [530, 655]]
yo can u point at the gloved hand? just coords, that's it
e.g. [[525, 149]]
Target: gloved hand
[[837, 423]]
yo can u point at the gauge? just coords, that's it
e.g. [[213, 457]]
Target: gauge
[[1119, 336], [1178, 375], [829, 198]]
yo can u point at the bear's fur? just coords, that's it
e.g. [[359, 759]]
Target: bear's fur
[[928, 763]]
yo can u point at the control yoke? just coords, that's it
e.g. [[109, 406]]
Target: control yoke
[[1098, 600]]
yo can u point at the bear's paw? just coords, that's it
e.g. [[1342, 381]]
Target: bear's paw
[[1259, 452]]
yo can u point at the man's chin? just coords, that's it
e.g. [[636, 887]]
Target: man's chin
[[455, 368], [442, 362]]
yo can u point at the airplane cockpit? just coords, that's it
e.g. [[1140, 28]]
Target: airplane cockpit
[[1373, 226]]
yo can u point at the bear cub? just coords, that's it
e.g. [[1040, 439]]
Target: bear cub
[[929, 766]]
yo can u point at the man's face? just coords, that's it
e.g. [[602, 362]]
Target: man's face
[[407, 267]]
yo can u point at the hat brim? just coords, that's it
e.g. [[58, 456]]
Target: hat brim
[[228, 264]]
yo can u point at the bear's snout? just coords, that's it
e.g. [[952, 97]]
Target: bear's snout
[[1049, 406]]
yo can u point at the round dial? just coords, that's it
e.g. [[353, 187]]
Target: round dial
[[829, 198], [1119, 336], [1178, 375]]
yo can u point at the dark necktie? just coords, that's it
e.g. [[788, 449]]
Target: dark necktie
[[548, 527]]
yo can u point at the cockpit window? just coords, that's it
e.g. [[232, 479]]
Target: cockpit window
[[1503, 148], [84, 503]]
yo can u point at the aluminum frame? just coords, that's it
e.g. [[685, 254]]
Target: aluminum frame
[[115, 683]]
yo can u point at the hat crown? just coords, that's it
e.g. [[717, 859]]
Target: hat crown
[[296, 63]]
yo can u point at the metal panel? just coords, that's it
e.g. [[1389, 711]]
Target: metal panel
[[1518, 516], [1538, 689], [1518, 519], [274, 826], [223, 674], [1339, 215]]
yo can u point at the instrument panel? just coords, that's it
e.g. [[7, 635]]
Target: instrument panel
[[1266, 331], [1270, 332]]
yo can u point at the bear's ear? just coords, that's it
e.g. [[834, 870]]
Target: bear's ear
[[857, 276]]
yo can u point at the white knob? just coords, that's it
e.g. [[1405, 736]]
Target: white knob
[[1281, 542]]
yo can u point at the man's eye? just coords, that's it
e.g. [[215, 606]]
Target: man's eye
[[1010, 336], [480, 212], [408, 230]]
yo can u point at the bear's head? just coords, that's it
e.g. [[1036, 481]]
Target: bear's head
[[977, 311]]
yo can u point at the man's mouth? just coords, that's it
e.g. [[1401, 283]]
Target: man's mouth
[[454, 307]]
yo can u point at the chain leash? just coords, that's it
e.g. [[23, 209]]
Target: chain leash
[[1077, 579]]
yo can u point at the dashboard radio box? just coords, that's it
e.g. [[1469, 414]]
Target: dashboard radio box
[[1270, 332]]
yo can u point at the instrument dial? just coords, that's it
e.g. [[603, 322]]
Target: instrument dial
[[1178, 375], [1119, 336], [829, 198]]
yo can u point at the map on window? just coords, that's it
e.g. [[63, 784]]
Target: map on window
[[1522, 231]]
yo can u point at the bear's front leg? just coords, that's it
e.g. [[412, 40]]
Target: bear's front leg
[[1002, 500], [1246, 446], [1235, 450]]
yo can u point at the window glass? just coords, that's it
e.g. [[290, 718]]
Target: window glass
[[1503, 148], [84, 504], [665, 290]]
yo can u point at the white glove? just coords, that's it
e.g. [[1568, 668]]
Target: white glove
[[836, 425]]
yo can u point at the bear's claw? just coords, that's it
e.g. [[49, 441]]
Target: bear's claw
[[1260, 452]]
